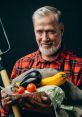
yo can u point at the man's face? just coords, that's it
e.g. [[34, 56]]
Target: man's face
[[48, 35]]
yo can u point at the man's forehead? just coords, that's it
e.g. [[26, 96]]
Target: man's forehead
[[45, 23], [45, 20]]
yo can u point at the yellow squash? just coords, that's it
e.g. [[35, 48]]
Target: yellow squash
[[58, 79]]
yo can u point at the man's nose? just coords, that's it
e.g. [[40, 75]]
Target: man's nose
[[45, 36]]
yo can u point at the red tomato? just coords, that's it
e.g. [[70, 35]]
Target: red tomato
[[31, 87], [17, 92], [20, 90]]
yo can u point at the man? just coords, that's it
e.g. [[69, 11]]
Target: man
[[49, 30]]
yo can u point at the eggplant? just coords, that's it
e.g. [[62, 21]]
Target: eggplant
[[32, 77]]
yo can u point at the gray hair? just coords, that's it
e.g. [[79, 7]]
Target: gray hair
[[45, 11]]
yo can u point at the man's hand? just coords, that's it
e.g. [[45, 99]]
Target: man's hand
[[5, 100], [37, 101]]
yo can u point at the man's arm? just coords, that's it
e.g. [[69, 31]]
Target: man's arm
[[73, 93]]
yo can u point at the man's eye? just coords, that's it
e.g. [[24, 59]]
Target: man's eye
[[39, 32], [52, 31]]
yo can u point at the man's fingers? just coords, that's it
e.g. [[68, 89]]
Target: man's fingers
[[3, 94], [15, 97], [46, 99], [9, 103], [28, 106], [6, 101]]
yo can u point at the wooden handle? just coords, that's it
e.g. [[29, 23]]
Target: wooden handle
[[16, 111], [6, 83], [5, 78]]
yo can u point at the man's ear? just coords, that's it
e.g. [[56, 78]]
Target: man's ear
[[61, 29]]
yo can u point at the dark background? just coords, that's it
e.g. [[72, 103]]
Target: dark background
[[16, 17]]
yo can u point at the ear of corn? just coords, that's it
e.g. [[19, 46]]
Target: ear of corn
[[58, 79]]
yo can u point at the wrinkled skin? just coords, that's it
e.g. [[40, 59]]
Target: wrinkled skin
[[48, 33], [37, 101]]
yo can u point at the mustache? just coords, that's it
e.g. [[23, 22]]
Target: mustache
[[47, 43]]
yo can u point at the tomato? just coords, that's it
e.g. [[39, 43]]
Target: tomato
[[31, 87], [17, 92], [20, 90]]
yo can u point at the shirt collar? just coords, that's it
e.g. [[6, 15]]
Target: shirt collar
[[58, 57]]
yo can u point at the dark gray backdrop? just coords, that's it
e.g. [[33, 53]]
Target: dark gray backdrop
[[16, 17]]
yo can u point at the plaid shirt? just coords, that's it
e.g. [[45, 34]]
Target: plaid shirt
[[63, 60]]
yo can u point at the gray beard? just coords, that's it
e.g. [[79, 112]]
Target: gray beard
[[50, 51]]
